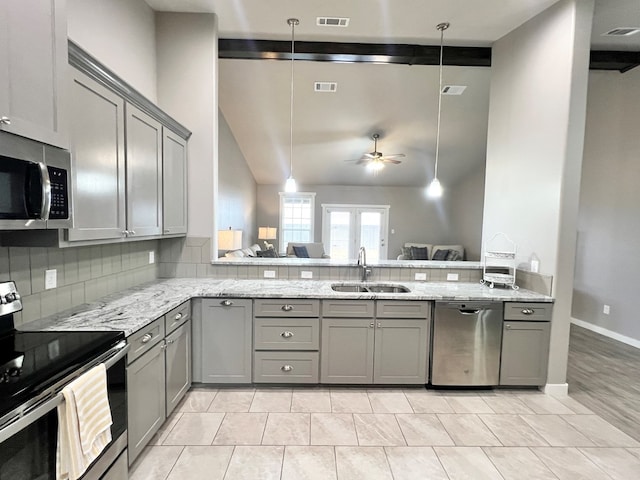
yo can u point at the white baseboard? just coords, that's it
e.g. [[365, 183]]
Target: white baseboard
[[607, 333], [557, 389]]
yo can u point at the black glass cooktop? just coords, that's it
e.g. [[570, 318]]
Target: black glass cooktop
[[30, 362]]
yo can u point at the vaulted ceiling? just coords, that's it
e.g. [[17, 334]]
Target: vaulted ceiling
[[398, 101]]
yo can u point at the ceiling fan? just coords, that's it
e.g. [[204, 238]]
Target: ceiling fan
[[376, 160]]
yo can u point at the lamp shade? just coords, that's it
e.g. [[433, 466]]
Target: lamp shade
[[229, 239], [267, 233]]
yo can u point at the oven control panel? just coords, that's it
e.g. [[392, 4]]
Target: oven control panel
[[9, 298]]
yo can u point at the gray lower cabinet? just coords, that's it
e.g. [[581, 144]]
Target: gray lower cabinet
[[145, 398], [222, 340], [401, 351], [177, 365], [346, 354], [525, 353]]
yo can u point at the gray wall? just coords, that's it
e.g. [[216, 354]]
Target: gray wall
[[607, 260], [237, 196], [413, 217], [465, 212], [84, 274]]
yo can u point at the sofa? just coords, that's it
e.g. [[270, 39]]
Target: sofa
[[244, 252], [428, 251], [314, 250]]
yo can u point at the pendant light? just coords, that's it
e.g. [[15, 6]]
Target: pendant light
[[434, 190], [290, 186]]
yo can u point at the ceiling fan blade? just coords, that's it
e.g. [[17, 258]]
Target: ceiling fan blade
[[363, 161], [394, 155], [391, 160], [370, 155]]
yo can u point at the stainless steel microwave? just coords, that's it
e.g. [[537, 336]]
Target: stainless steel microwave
[[35, 185]]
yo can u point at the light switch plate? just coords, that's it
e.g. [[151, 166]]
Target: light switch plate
[[269, 274], [306, 274], [50, 279], [606, 310], [152, 257], [452, 277], [420, 276], [535, 266]]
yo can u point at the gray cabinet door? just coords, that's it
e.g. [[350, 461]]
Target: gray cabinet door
[[346, 354], [145, 399], [224, 350], [178, 365], [525, 353], [174, 182], [33, 62], [401, 351], [144, 173], [96, 124]]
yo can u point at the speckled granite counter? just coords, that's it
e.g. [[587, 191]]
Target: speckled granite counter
[[129, 311]]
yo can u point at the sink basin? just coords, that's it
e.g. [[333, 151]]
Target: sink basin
[[369, 287]]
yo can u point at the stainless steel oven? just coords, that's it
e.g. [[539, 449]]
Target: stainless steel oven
[[34, 367], [35, 185]]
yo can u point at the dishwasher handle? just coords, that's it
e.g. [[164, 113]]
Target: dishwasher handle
[[469, 311]]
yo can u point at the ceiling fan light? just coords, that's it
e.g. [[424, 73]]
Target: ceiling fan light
[[434, 190], [290, 185], [375, 166]]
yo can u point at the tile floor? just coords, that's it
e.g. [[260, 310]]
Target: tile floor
[[347, 433]]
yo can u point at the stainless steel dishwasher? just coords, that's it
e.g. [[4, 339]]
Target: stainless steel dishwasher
[[467, 338]]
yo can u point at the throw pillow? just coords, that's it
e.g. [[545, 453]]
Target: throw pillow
[[440, 255], [406, 253], [419, 253], [453, 256], [300, 251], [271, 253]]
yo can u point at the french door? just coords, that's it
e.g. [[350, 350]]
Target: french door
[[346, 228]]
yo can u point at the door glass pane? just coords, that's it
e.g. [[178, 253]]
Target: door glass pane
[[339, 228], [370, 233]]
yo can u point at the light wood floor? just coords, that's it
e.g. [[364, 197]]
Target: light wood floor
[[604, 375]]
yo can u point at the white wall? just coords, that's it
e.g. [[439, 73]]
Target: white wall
[[534, 149], [607, 259], [187, 50], [465, 213], [119, 33]]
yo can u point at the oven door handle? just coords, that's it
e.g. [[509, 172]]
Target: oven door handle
[[39, 411]]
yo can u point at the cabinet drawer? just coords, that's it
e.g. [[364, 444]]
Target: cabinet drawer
[[145, 338], [177, 317], [285, 367], [286, 334], [283, 307], [402, 309], [532, 312], [348, 308]]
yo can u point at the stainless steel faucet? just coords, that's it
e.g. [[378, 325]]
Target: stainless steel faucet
[[362, 263]]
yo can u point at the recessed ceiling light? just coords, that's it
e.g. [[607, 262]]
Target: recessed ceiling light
[[622, 32], [329, 87], [453, 89], [332, 21]]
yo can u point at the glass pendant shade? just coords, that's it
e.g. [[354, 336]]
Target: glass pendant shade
[[290, 185], [434, 190]]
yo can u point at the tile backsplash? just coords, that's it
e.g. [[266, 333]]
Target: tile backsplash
[[84, 274]]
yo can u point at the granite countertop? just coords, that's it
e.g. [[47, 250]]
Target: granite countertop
[[131, 310]]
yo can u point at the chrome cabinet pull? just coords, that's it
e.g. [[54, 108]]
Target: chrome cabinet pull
[[226, 303], [125, 233], [286, 368], [286, 334], [371, 325], [178, 316], [379, 325], [507, 326], [146, 338], [5, 120], [527, 311], [163, 346], [132, 232], [287, 308]]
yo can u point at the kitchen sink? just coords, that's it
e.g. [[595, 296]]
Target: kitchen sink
[[369, 287]]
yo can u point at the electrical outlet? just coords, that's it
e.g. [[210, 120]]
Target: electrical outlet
[[269, 274], [420, 276], [306, 274], [452, 277], [535, 266], [152, 257], [606, 310], [50, 279]]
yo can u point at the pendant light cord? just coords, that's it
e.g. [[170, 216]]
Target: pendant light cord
[[293, 22], [442, 27]]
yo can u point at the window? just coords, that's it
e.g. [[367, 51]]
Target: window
[[296, 218]]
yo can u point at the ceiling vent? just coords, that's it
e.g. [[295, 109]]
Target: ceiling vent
[[622, 32], [453, 89], [332, 21], [329, 87]]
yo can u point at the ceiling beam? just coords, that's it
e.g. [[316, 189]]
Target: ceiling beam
[[407, 54]]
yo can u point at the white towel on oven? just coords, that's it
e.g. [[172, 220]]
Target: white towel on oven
[[84, 423]]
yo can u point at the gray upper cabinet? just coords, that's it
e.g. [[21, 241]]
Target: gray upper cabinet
[[98, 156], [401, 351], [174, 182], [346, 354], [525, 353], [33, 62], [144, 173]]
